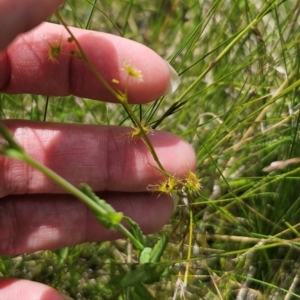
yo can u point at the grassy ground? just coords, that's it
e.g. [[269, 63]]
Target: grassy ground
[[239, 108]]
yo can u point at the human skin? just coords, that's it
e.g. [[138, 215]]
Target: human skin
[[35, 213]]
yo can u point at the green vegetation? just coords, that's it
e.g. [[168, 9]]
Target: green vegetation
[[238, 105]]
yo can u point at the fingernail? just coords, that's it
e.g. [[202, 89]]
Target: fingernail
[[174, 80], [175, 198]]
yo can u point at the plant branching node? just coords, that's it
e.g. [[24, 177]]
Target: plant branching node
[[54, 51]]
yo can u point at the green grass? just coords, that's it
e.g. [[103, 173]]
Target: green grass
[[239, 108]]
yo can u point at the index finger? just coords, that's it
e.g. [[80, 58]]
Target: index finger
[[26, 67]]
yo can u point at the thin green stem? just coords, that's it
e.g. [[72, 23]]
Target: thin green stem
[[144, 137], [14, 151], [62, 182], [78, 194], [233, 42], [226, 50], [121, 97], [189, 255]]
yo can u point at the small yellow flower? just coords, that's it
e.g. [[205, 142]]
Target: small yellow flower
[[132, 71], [192, 182], [165, 187]]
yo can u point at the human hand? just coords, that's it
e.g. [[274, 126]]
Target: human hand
[[35, 213]]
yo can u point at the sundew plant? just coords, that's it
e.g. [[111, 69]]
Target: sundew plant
[[235, 232]]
